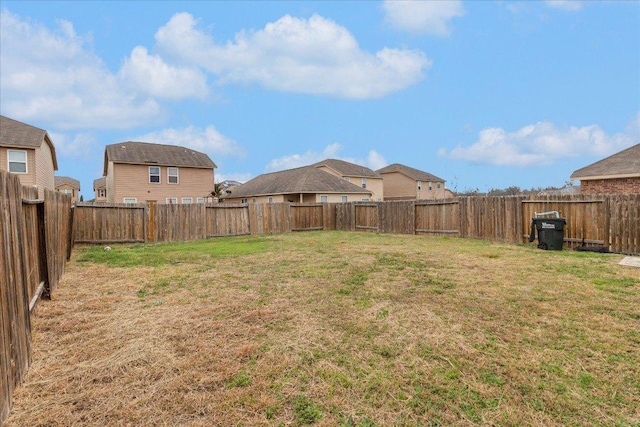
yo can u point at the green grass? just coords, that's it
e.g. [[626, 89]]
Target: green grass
[[339, 328]]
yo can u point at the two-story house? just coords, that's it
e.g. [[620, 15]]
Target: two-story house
[[100, 190], [28, 152], [139, 172], [358, 175], [405, 183], [67, 185]]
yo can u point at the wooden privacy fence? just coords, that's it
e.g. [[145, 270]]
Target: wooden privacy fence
[[609, 221], [35, 242]]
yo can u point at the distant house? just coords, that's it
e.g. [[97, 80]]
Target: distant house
[[69, 186], [616, 174], [359, 175], [100, 190], [307, 184], [138, 172], [28, 152], [405, 183]]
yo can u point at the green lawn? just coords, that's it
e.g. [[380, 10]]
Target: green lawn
[[336, 329]]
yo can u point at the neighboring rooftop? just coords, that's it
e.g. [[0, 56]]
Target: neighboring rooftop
[[412, 173], [65, 180], [99, 183], [155, 154], [347, 169], [307, 179], [625, 163], [16, 134]]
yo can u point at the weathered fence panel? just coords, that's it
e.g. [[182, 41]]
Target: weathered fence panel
[[366, 217], [439, 218], [307, 217], [180, 223], [227, 220], [346, 216], [34, 245], [397, 217], [623, 213], [113, 223]]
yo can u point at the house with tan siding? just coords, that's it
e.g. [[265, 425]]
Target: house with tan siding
[[402, 182], [100, 190], [67, 185], [358, 175], [28, 152], [307, 184], [140, 172], [616, 174]]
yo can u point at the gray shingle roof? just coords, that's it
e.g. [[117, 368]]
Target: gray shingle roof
[[412, 173], [62, 180], [347, 169], [15, 134], [307, 179], [146, 153], [624, 163], [99, 183]]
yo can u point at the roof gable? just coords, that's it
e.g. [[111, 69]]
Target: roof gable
[[65, 180], [16, 134], [145, 153], [347, 169], [415, 174], [621, 164], [307, 179]]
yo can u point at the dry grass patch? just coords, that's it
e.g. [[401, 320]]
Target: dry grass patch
[[336, 328]]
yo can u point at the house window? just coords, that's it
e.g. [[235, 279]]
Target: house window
[[154, 174], [364, 182], [130, 200], [200, 199], [66, 191], [17, 161], [270, 199], [243, 200], [187, 200], [344, 199], [102, 192], [365, 199], [324, 199], [430, 187], [438, 185], [419, 185], [172, 200], [348, 179], [172, 175]]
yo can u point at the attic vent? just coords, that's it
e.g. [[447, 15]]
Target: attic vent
[[123, 147]]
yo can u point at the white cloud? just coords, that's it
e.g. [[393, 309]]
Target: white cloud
[[312, 56], [208, 140], [54, 77], [151, 74], [374, 160], [541, 144], [427, 17], [568, 5], [78, 146]]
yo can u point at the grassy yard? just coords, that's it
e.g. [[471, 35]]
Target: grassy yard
[[336, 329]]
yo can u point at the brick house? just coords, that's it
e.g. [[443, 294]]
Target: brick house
[[616, 174]]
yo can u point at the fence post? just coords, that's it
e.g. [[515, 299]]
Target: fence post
[[151, 206]]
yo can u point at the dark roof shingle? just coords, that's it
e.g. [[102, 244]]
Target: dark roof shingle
[[155, 154], [623, 163], [347, 169], [21, 135], [62, 180], [412, 173], [307, 179]]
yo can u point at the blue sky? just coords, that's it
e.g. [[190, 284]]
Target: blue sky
[[484, 94]]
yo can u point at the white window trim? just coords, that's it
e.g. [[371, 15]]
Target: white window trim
[[364, 182], [171, 200], [169, 176], [187, 200], [102, 192], [159, 175], [419, 185], [26, 161], [325, 197], [243, 200], [135, 200], [270, 200], [344, 198], [200, 200]]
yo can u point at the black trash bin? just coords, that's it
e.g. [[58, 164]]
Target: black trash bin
[[550, 232]]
